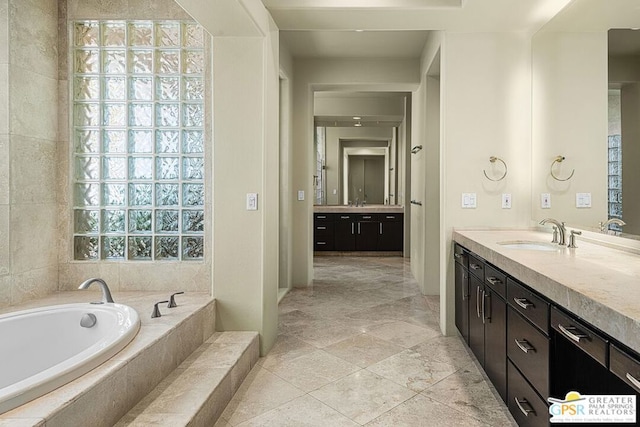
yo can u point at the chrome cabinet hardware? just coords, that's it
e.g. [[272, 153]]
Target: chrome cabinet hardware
[[321, 228], [475, 267], [525, 346], [484, 310], [633, 380], [478, 301], [525, 411], [523, 302], [494, 280], [573, 333]]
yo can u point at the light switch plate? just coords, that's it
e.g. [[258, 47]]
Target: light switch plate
[[583, 200], [506, 200], [252, 201], [300, 195], [545, 201], [469, 200]]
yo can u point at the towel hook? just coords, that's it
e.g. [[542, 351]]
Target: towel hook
[[559, 159], [415, 149], [493, 159]]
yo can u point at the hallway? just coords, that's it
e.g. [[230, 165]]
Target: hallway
[[363, 347]]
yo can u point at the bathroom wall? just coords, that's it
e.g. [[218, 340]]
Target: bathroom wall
[[123, 275], [486, 111], [28, 140]]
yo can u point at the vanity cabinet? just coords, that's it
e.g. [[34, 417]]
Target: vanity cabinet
[[487, 321], [530, 348], [461, 257], [358, 232]]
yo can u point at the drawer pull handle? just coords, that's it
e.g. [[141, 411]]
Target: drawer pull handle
[[525, 411], [475, 267], [572, 333], [633, 380], [366, 217], [391, 217], [493, 280], [321, 243], [321, 228], [458, 256], [523, 302], [345, 217], [525, 346], [321, 217]]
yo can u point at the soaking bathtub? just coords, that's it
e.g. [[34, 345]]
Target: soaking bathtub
[[45, 348]]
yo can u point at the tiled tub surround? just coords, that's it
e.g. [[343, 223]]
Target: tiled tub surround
[[102, 396], [597, 283]]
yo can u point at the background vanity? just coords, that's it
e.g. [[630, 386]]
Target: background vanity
[[364, 228]]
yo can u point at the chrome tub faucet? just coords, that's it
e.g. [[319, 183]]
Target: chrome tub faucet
[[106, 294]]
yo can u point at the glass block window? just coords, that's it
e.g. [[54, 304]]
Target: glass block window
[[138, 131]]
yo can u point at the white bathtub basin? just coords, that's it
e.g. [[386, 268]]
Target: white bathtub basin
[[530, 245], [45, 348]]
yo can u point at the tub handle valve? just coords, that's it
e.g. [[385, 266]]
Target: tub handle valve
[[172, 300], [156, 310]]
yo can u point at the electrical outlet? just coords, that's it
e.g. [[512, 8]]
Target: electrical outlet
[[252, 201], [469, 200], [506, 201], [545, 201], [583, 200]]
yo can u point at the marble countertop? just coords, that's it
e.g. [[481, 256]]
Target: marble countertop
[[597, 283], [359, 209]]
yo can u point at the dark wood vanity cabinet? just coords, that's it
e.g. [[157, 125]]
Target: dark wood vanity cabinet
[[487, 321], [359, 232], [531, 349]]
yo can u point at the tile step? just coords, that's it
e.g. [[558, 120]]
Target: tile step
[[199, 389]]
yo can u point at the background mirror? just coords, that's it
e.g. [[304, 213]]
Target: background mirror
[[358, 147], [575, 59]]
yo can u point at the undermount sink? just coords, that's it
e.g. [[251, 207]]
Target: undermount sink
[[530, 245]]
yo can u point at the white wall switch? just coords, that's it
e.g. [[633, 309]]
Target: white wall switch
[[335, 191], [506, 201], [252, 201], [545, 201], [469, 200], [583, 200], [300, 195]]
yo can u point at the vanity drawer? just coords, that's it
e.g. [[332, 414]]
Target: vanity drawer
[[461, 255], [476, 267], [496, 280], [625, 366], [528, 349], [323, 217], [577, 333], [527, 408], [322, 229], [528, 304]]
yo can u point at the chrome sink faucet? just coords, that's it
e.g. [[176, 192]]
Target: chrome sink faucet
[[560, 226], [106, 294], [604, 226]]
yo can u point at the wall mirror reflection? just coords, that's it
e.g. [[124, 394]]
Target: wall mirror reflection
[[359, 147]]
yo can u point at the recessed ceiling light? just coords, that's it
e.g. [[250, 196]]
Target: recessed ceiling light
[[359, 31], [356, 117], [358, 124]]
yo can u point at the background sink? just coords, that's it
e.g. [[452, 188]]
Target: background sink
[[530, 245]]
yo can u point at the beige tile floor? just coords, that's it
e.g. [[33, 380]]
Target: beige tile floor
[[363, 347]]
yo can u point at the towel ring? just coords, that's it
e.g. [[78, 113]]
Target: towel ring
[[493, 159], [559, 159]]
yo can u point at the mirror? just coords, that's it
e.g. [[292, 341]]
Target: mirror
[[357, 147], [575, 60]]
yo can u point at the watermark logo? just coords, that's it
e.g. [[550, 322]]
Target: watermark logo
[[577, 408]]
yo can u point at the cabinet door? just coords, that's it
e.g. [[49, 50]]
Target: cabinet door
[[476, 327], [367, 235], [495, 341], [462, 301], [344, 233], [391, 238]]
